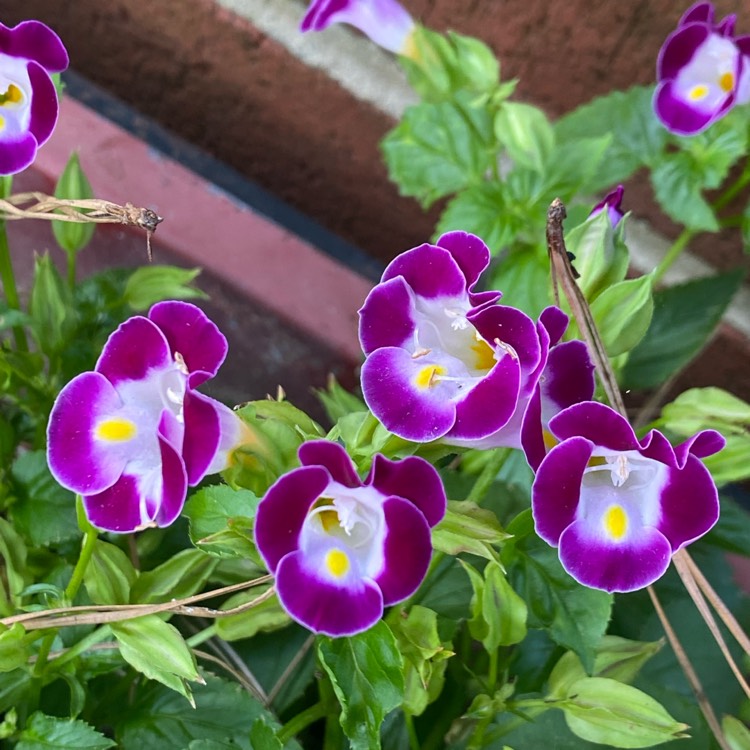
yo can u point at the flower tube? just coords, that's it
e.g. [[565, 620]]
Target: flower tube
[[618, 508], [134, 433], [29, 52], [342, 549], [386, 22], [702, 71]]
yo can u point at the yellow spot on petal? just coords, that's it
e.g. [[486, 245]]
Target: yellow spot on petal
[[116, 430], [428, 376], [485, 355], [698, 92], [616, 522], [726, 82], [12, 95], [550, 441], [337, 562], [2, 123], [329, 519]]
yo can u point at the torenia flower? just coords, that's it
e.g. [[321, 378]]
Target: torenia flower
[[619, 508], [29, 52], [342, 549], [612, 204], [386, 22], [134, 433], [444, 361], [702, 71]]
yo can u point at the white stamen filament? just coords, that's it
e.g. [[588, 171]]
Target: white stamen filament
[[180, 362], [507, 348]]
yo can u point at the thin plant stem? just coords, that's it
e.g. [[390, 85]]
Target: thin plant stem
[[72, 271], [492, 671], [202, 636], [672, 254], [87, 550], [734, 189], [488, 475], [411, 731], [9, 288], [289, 669], [333, 735], [97, 636], [302, 720]]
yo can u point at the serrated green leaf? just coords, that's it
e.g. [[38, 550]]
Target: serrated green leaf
[[367, 675], [439, 149], [638, 138], [606, 711], [526, 134], [221, 520], [684, 318], [73, 185], [181, 576], [44, 512], [524, 278], [47, 732], [622, 313], [109, 575], [263, 736], [150, 284]]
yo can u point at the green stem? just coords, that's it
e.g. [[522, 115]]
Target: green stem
[[492, 671], [202, 636], [488, 474], [672, 254], [303, 719], [734, 189], [9, 287], [97, 636], [72, 271], [87, 550], [333, 736], [411, 731]]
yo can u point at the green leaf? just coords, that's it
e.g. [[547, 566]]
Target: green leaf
[[13, 647], [574, 163], [439, 149], [338, 402], [160, 720], [468, 528], [181, 576], [524, 277], [150, 284], [156, 649], [367, 675], [576, 617], [503, 609], [606, 711], [73, 185], [46, 732], [733, 527], [221, 521], [679, 191], [526, 134], [50, 306], [736, 733], [638, 138], [484, 210], [13, 552], [266, 616], [684, 318], [263, 736], [44, 512], [622, 313], [109, 575]]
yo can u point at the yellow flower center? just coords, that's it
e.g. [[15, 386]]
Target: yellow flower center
[[116, 430], [485, 355], [428, 376], [616, 522], [698, 92], [12, 95], [726, 82], [337, 562]]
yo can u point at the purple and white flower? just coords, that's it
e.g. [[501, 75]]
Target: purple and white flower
[[619, 508], [444, 361], [29, 52], [612, 204], [342, 549], [386, 22], [134, 433], [703, 71]]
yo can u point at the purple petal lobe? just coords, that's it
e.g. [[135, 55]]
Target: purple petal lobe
[[620, 567], [471, 254], [76, 458], [44, 104], [133, 350], [557, 488], [702, 445], [679, 49], [430, 271], [283, 510], [555, 321], [532, 433], [202, 434], [33, 40], [414, 479], [322, 605], [118, 508], [602, 425], [407, 553], [16, 153], [331, 456], [568, 378], [174, 485], [387, 317]]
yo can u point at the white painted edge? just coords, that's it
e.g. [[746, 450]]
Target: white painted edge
[[372, 75]]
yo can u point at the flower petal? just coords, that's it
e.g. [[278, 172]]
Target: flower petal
[[117, 508], [387, 316], [202, 434], [407, 551], [16, 152], [557, 488], [332, 457], [701, 445], [568, 378], [430, 271], [190, 333], [170, 499], [411, 478], [599, 423], [76, 458], [321, 605], [679, 48], [33, 40], [555, 321], [621, 567], [133, 350], [678, 116], [281, 513], [470, 252], [44, 105]]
